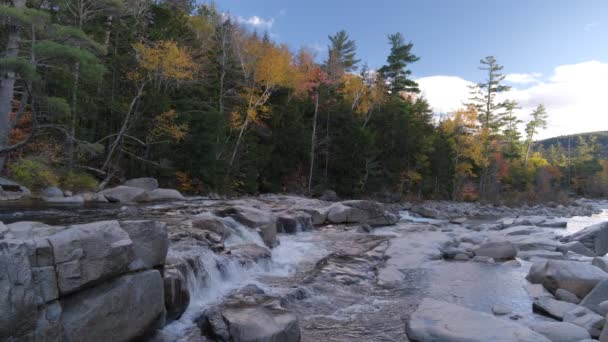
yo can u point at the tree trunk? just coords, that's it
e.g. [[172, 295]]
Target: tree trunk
[[238, 143], [313, 142], [7, 83], [71, 143]]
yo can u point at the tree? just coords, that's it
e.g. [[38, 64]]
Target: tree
[[485, 92], [538, 122], [341, 56], [511, 134], [396, 71]]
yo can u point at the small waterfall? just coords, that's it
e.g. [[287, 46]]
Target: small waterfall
[[239, 234]]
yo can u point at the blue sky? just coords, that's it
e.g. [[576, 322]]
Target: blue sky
[[531, 38]]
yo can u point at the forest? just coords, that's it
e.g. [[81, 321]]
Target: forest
[[93, 92]]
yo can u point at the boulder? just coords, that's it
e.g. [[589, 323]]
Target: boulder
[[436, 321], [158, 195], [598, 295], [150, 243], [554, 223], [567, 296], [501, 310], [594, 238], [64, 200], [539, 255], [361, 211], [587, 319], [254, 218], [10, 191], [90, 253], [122, 194], [119, 310], [210, 222], [52, 191], [250, 317], [560, 331], [576, 247], [497, 250], [552, 307], [577, 277], [536, 291], [145, 183], [329, 196]]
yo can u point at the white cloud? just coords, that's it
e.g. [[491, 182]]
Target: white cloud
[[574, 96], [445, 93], [257, 22], [523, 78]]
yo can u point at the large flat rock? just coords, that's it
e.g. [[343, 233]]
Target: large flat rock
[[436, 321]]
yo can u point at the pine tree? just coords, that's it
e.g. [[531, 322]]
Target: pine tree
[[485, 92], [538, 122], [396, 71]]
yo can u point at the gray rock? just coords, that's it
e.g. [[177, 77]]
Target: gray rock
[[91, 197], [577, 277], [145, 183], [122, 194], [539, 255], [329, 196], [594, 238], [210, 222], [150, 243], [250, 317], [436, 321], [602, 308], [536, 291], [52, 191], [64, 200], [361, 211], [554, 223], [90, 253], [119, 310], [576, 247], [567, 296], [256, 219], [479, 258], [600, 262], [587, 319], [501, 310], [560, 331], [250, 253], [497, 250], [159, 195], [461, 257], [552, 307], [598, 295]]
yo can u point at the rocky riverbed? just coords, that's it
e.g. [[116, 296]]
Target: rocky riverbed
[[287, 268]]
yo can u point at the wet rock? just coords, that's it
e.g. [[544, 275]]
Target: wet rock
[[577, 277], [587, 319], [122, 194], [361, 211], [52, 191], [567, 296], [598, 295], [250, 318], [560, 331], [210, 222], [118, 310], [145, 183], [10, 191], [536, 291], [292, 223], [159, 195], [497, 250], [554, 223], [177, 296], [250, 253], [553, 307], [440, 321], [256, 219], [594, 238]]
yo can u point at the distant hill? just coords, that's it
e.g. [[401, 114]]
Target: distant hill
[[565, 140]]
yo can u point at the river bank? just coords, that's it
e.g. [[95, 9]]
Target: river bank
[[304, 269]]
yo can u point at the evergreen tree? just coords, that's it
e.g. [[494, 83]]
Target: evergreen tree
[[396, 71]]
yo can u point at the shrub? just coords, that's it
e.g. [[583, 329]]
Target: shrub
[[78, 181], [33, 173]]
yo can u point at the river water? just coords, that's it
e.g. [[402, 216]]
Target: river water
[[357, 286]]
